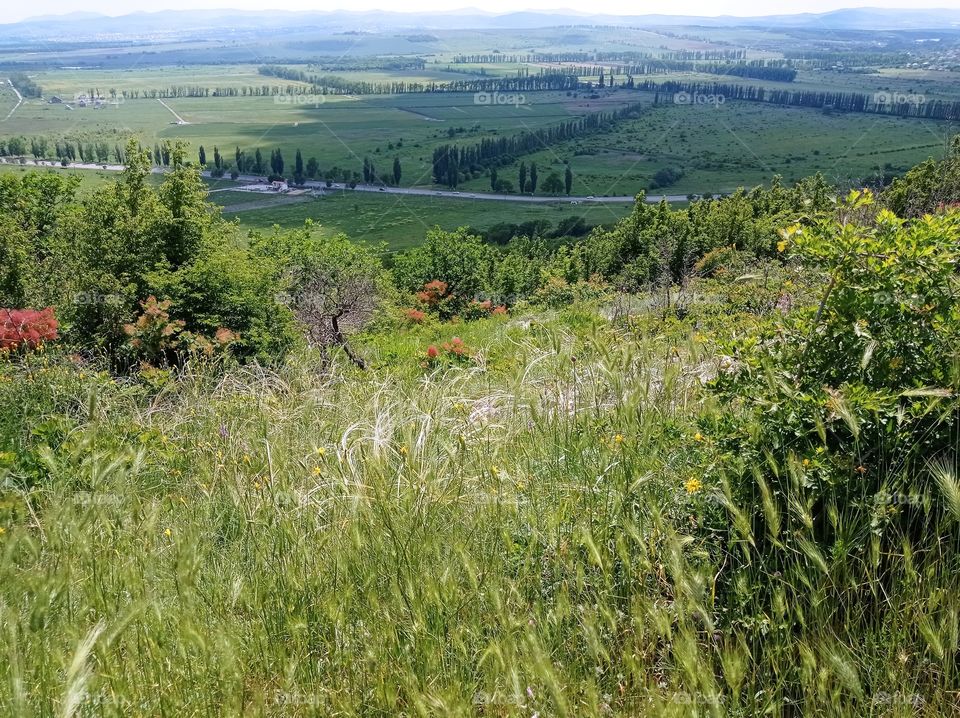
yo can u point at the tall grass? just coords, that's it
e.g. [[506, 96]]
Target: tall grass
[[541, 532]]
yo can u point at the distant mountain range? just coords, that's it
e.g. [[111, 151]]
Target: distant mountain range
[[80, 25]]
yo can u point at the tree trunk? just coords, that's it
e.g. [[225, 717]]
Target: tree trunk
[[341, 340]]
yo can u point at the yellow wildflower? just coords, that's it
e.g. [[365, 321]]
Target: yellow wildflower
[[698, 436], [781, 245], [317, 471], [319, 450], [618, 439], [692, 485], [168, 533], [404, 451]]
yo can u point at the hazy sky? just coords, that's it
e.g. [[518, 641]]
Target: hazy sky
[[12, 11]]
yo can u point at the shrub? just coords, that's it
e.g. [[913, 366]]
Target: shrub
[[454, 351], [26, 328], [156, 339], [477, 310], [415, 316], [847, 402]]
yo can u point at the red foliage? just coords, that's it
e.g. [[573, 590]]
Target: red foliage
[[499, 311], [452, 351], [26, 327], [456, 348], [416, 316], [433, 293]]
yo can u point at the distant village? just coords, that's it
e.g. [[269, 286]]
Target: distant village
[[97, 102]]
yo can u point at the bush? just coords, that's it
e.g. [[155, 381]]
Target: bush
[[26, 328], [847, 403]]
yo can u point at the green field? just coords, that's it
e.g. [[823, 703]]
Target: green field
[[712, 148], [402, 221], [722, 147]]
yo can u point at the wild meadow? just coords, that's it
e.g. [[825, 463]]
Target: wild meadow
[[699, 464]]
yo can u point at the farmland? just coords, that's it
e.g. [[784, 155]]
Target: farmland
[[168, 94], [345, 370]]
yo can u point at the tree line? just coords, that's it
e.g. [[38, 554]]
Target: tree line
[[878, 103], [758, 70], [337, 85], [451, 161], [26, 86], [584, 57], [42, 148]]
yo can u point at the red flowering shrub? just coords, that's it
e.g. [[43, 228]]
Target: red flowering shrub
[[433, 293], [456, 349], [449, 352], [437, 297], [477, 310], [26, 328], [156, 338], [415, 316]]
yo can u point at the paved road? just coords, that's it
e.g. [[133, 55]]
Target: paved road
[[19, 100], [411, 191]]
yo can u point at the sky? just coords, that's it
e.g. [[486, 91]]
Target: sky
[[13, 12]]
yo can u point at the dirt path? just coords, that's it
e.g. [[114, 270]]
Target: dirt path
[[19, 100], [180, 120]]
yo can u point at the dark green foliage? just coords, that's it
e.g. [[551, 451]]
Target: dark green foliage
[[926, 187], [96, 260], [847, 403]]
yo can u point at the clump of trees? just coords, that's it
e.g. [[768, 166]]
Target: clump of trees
[[142, 274]]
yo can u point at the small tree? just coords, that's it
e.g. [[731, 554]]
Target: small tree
[[552, 184], [333, 285]]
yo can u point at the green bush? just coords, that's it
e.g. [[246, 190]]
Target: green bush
[[847, 403]]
